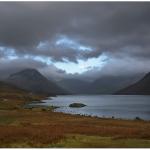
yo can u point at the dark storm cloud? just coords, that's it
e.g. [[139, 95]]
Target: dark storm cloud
[[103, 25], [118, 29], [25, 24]]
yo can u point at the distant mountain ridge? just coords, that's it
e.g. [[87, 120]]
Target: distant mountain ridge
[[142, 87], [74, 86], [33, 81], [102, 85], [110, 84]]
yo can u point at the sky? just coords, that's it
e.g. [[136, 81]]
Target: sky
[[83, 40]]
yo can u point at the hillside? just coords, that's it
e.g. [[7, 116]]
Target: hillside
[[142, 87], [110, 84], [6, 88], [12, 97]]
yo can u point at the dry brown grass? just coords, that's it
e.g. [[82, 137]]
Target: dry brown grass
[[31, 135], [48, 122]]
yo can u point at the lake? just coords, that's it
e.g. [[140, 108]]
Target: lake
[[119, 106]]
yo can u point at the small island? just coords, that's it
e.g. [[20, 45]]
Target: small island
[[77, 105]]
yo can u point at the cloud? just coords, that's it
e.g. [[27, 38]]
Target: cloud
[[50, 32]]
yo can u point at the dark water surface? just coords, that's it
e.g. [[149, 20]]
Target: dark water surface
[[119, 106]]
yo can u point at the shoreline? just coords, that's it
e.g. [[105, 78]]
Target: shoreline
[[53, 108]]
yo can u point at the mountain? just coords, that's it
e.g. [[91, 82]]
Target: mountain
[[33, 81], [74, 86], [110, 84], [102, 85], [142, 87]]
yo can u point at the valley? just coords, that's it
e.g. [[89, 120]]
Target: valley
[[42, 127], [38, 127]]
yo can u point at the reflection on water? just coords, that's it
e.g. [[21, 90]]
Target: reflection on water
[[119, 106]]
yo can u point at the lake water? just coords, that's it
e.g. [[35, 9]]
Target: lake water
[[119, 106]]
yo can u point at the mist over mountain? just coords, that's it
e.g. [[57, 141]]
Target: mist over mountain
[[34, 81]]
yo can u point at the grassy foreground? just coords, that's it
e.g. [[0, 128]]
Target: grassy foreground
[[40, 127]]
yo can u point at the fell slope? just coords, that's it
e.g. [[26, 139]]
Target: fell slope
[[142, 87], [33, 81]]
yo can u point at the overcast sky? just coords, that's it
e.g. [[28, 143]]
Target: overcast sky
[[75, 39]]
